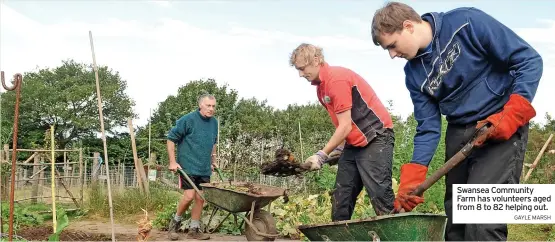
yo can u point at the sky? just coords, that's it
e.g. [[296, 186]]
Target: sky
[[158, 46]]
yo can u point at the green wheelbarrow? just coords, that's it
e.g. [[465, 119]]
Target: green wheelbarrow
[[260, 224], [400, 227]]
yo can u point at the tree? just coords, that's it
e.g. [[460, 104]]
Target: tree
[[65, 96]]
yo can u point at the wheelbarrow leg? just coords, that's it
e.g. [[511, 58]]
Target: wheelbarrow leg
[[252, 210], [214, 211], [242, 222], [219, 224]]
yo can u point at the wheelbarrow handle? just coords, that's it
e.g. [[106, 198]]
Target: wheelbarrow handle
[[219, 173]]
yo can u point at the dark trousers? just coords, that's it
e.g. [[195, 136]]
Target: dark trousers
[[368, 167], [496, 162]]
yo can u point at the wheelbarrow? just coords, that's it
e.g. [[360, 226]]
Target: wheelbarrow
[[399, 227], [394, 227], [260, 224]]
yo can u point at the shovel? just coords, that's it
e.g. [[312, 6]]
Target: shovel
[[455, 160]]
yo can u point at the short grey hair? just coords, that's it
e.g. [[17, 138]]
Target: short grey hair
[[203, 96]]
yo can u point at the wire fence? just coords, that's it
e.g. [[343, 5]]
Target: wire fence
[[75, 174]]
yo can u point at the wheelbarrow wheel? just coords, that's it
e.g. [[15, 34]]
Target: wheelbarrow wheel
[[264, 223]]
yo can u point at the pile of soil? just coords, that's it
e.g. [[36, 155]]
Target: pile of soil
[[283, 165], [41, 233], [246, 187]]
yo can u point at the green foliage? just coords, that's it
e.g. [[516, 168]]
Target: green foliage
[[551, 236], [62, 221], [24, 215], [65, 96], [130, 200], [164, 216]]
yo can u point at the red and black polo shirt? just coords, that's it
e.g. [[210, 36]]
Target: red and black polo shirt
[[341, 89]]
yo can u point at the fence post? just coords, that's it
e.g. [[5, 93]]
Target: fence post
[[95, 172], [122, 176], [66, 168], [35, 191], [81, 178], [41, 177]]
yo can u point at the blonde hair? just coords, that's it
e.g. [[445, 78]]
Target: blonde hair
[[389, 19], [305, 53]]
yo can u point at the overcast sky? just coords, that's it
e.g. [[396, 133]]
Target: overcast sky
[[159, 46]]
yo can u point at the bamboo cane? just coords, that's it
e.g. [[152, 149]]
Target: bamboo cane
[[103, 136], [53, 180]]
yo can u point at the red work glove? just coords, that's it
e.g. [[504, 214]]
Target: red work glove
[[517, 112], [412, 175]]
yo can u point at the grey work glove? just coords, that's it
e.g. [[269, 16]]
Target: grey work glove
[[315, 161], [336, 153]]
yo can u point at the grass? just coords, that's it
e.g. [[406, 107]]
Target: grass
[[129, 201], [531, 232]]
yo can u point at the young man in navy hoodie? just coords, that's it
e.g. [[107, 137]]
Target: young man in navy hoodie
[[466, 65]]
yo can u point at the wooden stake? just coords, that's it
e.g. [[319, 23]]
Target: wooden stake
[[143, 177], [538, 158], [103, 136], [135, 157]]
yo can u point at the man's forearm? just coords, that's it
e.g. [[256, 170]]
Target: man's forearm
[[171, 151], [213, 156], [337, 138]]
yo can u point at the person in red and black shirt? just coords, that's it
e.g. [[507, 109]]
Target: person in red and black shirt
[[363, 137]]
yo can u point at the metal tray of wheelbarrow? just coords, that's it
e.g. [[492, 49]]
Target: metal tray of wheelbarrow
[[260, 224], [397, 227], [236, 201]]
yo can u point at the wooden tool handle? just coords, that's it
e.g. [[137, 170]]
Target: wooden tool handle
[[452, 162]]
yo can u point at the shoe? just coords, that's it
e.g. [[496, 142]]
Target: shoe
[[195, 233], [172, 229]]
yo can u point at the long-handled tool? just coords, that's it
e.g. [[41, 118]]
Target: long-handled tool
[[219, 173], [452, 162], [182, 173], [190, 182]]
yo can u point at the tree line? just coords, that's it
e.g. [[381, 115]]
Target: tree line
[[250, 129]]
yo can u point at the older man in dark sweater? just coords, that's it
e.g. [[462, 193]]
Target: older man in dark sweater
[[195, 135]]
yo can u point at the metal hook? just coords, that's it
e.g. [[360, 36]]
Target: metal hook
[[17, 80]]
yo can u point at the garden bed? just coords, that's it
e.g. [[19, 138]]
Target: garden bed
[[41, 233]]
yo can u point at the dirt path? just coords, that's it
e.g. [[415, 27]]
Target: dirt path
[[94, 230], [128, 232]]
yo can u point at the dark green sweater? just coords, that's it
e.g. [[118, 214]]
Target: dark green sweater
[[195, 137]]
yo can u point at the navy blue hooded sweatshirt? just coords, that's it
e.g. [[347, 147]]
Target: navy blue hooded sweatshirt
[[469, 70]]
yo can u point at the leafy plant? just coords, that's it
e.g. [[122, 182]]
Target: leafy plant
[[23, 215], [62, 221]]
